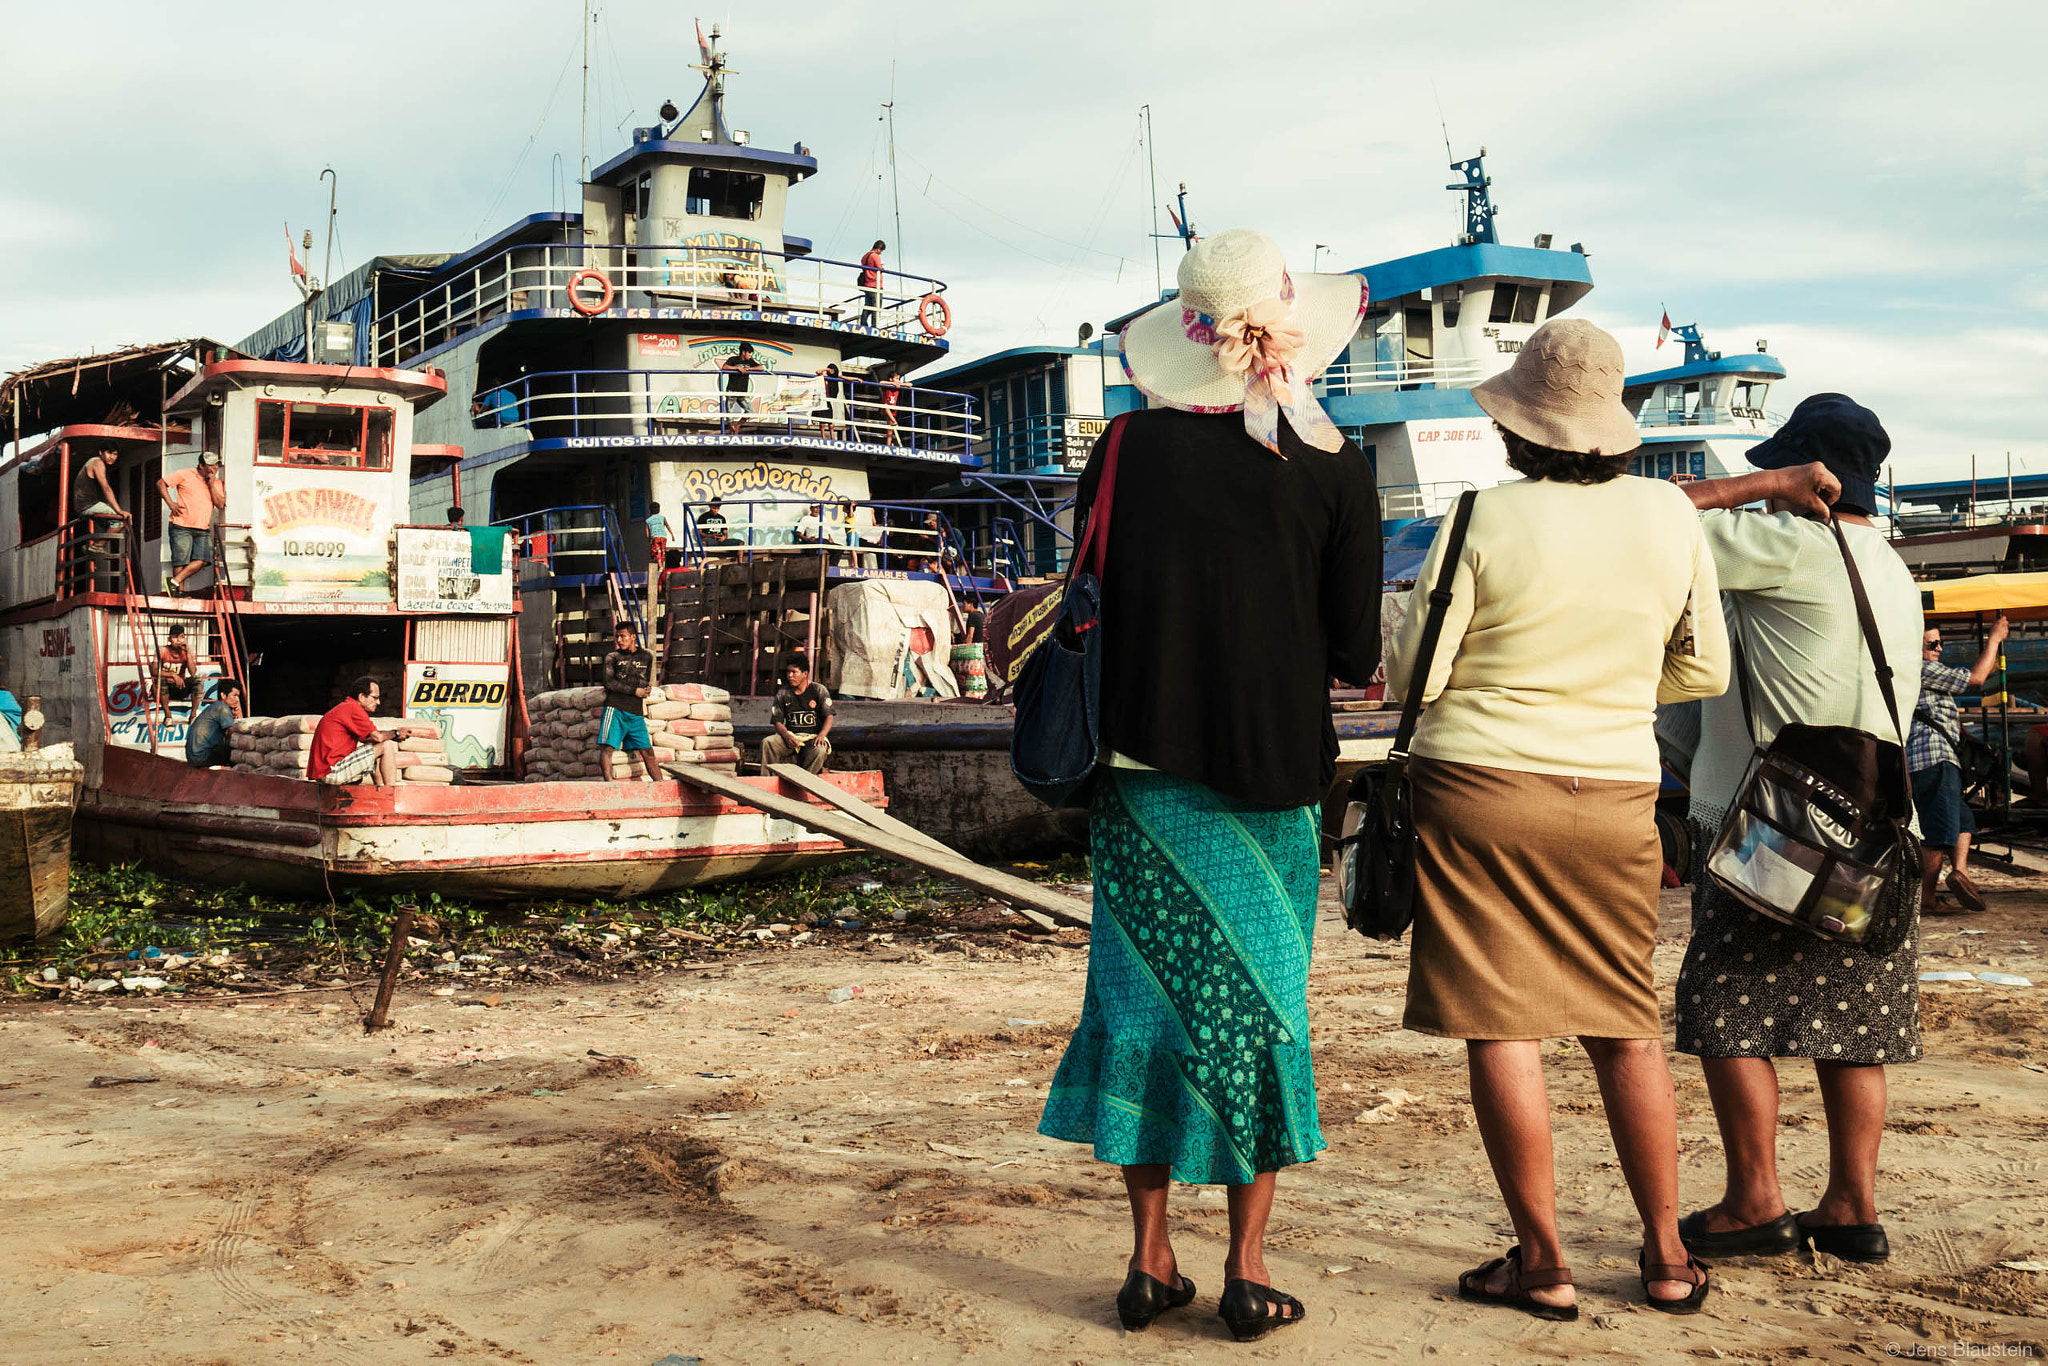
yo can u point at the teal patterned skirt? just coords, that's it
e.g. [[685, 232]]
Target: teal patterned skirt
[[1192, 1048]]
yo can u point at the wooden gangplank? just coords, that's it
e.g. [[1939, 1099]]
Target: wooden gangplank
[[852, 821]]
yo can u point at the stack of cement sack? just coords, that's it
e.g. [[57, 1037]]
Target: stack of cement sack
[[280, 745], [688, 723]]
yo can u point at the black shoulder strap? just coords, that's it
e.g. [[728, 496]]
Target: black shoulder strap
[[1868, 621], [1433, 627]]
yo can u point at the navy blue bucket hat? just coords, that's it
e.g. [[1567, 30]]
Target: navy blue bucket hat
[[1840, 433]]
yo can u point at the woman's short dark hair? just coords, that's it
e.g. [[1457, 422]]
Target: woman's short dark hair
[[1525, 457]]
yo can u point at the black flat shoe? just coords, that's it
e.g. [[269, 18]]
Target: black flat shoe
[[1249, 1309], [1758, 1240], [1144, 1299], [1850, 1242]]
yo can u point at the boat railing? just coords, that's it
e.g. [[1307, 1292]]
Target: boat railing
[[90, 554], [580, 542], [600, 404], [1402, 503], [1035, 441], [694, 276], [1367, 377], [1749, 419]]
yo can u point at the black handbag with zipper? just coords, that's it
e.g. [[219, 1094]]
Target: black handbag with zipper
[[1819, 833], [1376, 855]]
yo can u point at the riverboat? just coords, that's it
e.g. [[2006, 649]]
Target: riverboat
[[316, 577]]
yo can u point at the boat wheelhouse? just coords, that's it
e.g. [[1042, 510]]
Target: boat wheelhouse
[[1699, 418]]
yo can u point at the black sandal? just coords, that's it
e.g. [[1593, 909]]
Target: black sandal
[[1145, 1298], [1693, 1273], [1472, 1286], [1249, 1309]]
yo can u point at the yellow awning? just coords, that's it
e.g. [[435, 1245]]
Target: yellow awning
[[2022, 597]]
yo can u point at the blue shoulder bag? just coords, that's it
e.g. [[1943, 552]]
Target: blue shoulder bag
[[1057, 739]]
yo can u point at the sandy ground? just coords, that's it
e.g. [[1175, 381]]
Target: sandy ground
[[717, 1162]]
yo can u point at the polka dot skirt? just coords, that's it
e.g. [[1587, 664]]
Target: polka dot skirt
[[1752, 987]]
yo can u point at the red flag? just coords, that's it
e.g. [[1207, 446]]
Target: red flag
[[1664, 328], [293, 253], [703, 48]]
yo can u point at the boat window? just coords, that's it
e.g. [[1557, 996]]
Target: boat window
[[643, 196], [1503, 304], [1528, 299], [323, 434], [37, 491], [725, 194], [1749, 397]]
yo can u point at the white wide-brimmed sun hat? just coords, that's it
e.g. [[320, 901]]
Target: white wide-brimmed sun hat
[[1564, 391], [1246, 334]]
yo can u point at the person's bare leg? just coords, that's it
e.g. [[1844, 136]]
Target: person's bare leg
[[1854, 1097], [1642, 1116], [604, 761], [1745, 1096], [648, 762], [387, 764], [1513, 1110], [1250, 1206], [1961, 860], [1151, 1246]]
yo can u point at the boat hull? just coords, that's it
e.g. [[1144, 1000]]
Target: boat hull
[[35, 845], [483, 842]]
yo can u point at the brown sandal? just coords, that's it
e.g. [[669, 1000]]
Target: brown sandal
[[1472, 1286], [1693, 1273]]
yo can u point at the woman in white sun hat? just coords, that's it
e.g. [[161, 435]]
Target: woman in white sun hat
[[1582, 598], [1243, 571]]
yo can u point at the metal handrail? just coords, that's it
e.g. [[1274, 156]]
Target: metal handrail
[[1368, 376], [650, 276], [1709, 417], [595, 403], [1412, 502], [610, 550], [893, 546]]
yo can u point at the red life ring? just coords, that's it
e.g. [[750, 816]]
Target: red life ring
[[577, 302], [934, 315]]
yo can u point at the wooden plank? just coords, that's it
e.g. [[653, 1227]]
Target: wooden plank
[[855, 831], [854, 806]]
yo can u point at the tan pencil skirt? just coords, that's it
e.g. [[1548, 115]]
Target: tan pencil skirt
[[1536, 905]]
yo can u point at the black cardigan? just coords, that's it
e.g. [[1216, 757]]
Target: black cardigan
[[1237, 584]]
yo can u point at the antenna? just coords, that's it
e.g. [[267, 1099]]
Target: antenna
[[895, 192], [1152, 180], [1441, 121], [333, 185], [584, 19]]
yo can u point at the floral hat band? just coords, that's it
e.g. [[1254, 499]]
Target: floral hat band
[[1247, 338], [1261, 341]]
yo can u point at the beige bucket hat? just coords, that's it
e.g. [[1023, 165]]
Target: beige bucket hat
[[1564, 391], [1245, 334]]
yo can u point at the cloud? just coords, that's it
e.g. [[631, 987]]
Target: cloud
[[1861, 185]]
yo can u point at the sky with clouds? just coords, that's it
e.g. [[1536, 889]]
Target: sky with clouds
[[1863, 184]]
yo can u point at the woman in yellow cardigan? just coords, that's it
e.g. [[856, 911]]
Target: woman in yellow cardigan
[[1582, 598]]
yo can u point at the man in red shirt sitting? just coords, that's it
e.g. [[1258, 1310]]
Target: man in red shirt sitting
[[349, 748]]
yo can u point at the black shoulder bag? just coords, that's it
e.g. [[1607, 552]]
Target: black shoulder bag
[[1376, 856], [1819, 833]]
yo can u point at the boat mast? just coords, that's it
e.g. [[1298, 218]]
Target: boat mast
[[895, 193], [1152, 182], [583, 22]]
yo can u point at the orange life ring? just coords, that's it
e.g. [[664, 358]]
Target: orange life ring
[[934, 315], [576, 300]]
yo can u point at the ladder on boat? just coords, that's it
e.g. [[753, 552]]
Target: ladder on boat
[[147, 658]]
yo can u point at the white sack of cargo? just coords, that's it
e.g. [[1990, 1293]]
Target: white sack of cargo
[[888, 639]]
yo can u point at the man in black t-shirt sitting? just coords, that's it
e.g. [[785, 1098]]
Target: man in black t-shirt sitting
[[802, 714]]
